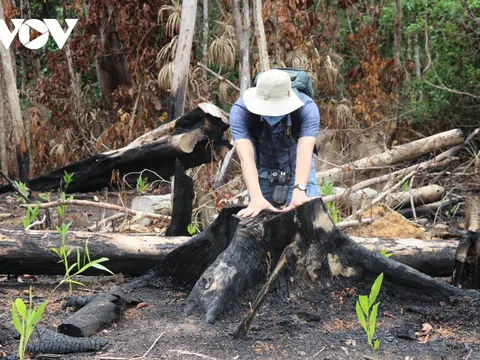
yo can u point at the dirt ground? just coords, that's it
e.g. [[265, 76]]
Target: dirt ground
[[313, 324]]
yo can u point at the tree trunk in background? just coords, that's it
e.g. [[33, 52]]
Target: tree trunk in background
[[73, 79], [409, 59], [3, 148], [261, 39], [398, 43], [112, 67], [176, 100], [242, 35], [205, 37], [418, 66], [13, 102]]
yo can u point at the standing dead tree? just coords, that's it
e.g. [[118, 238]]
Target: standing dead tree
[[13, 104], [231, 256], [176, 100]]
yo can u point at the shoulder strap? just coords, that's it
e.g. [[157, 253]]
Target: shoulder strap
[[255, 131], [296, 123]]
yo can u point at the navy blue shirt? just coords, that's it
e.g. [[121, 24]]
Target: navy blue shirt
[[273, 145]]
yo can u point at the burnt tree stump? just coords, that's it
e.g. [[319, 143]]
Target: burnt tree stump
[[234, 254]]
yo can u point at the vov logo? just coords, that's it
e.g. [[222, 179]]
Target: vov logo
[[45, 28]]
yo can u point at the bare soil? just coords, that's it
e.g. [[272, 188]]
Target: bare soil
[[311, 324]]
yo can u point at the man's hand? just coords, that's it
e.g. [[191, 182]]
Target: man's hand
[[256, 205], [299, 197]]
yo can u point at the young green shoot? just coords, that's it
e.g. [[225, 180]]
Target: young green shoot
[[31, 215], [192, 228], [367, 313], [23, 189], [384, 253], [142, 185], [327, 189]]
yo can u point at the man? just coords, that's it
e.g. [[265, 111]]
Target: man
[[272, 150]]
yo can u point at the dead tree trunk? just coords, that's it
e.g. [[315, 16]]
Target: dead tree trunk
[[229, 265], [176, 100], [261, 38], [182, 203], [195, 138], [13, 102], [111, 66]]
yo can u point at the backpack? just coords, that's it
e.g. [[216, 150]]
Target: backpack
[[301, 82]]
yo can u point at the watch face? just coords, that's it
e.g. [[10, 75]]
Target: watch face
[[301, 187]]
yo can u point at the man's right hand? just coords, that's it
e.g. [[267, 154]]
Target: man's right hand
[[255, 206]]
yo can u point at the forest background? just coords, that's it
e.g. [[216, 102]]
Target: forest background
[[403, 69]]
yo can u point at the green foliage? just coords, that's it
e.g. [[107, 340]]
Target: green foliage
[[327, 189], [31, 215], [23, 189], [367, 312], [66, 180], [405, 186], [142, 185], [25, 320], [192, 228], [45, 196], [384, 253]]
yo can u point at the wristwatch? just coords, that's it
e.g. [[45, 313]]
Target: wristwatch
[[300, 187]]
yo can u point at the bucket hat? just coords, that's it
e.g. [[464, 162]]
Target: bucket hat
[[273, 95]]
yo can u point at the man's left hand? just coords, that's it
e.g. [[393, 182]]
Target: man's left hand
[[299, 197]]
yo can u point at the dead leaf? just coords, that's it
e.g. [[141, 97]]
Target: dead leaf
[[386, 313], [424, 334], [142, 305]]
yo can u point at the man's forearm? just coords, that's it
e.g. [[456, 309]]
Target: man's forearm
[[304, 159], [249, 168]]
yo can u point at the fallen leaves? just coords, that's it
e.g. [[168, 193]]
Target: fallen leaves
[[424, 334]]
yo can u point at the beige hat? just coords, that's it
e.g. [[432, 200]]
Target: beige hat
[[273, 95]]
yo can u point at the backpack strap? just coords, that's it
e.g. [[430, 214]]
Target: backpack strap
[[255, 131], [296, 123]]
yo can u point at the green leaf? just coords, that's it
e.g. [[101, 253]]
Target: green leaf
[[372, 320], [86, 251], [70, 269], [361, 317], [37, 315], [74, 282], [22, 310], [375, 290], [364, 303], [78, 257], [101, 267], [55, 251], [16, 320], [376, 344]]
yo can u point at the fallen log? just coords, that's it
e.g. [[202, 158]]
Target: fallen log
[[153, 204], [30, 252], [324, 254], [186, 138], [135, 254], [430, 209], [423, 195], [435, 258], [95, 312], [50, 342], [393, 156]]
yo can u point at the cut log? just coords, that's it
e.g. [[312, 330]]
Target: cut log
[[29, 252], [95, 312], [182, 203], [394, 155], [423, 195], [324, 253], [186, 138], [153, 204], [50, 342], [432, 257]]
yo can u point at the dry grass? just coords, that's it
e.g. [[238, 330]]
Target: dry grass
[[222, 51]]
